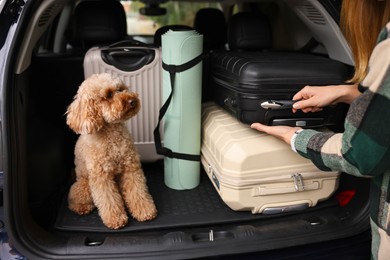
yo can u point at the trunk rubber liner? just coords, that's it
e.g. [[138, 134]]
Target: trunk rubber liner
[[199, 206]]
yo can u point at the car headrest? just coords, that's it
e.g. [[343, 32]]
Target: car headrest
[[249, 31], [98, 22], [211, 23]]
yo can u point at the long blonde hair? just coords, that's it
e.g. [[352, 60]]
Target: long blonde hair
[[361, 22]]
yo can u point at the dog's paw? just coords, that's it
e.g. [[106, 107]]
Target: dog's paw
[[116, 222], [81, 209], [145, 214]]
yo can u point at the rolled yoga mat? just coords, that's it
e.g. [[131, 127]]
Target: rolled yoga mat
[[182, 120]]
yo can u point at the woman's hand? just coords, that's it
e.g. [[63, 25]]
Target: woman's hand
[[314, 98], [284, 133]]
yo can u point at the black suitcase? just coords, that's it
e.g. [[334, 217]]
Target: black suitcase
[[259, 86]]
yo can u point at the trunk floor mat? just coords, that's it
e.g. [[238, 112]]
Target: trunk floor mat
[[199, 206]]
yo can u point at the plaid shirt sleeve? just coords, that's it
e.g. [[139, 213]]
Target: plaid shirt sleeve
[[364, 147]]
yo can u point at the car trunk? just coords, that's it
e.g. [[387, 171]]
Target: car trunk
[[196, 220], [190, 223]]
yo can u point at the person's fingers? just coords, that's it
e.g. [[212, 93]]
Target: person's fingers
[[282, 132], [299, 94], [305, 105], [260, 127], [300, 105]]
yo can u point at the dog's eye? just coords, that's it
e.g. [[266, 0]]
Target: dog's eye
[[109, 94]]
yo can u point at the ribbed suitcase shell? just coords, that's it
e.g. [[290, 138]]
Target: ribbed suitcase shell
[[147, 82], [257, 172]]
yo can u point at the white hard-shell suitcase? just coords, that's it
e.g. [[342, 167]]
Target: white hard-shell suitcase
[[256, 172], [140, 68]]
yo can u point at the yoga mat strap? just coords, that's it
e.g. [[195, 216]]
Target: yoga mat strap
[[173, 69], [183, 67]]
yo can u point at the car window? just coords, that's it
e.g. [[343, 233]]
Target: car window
[[182, 13]]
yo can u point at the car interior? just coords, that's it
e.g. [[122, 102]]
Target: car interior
[[190, 223]]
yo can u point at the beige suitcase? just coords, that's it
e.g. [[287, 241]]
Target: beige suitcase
[[256, 172], [140, 68]]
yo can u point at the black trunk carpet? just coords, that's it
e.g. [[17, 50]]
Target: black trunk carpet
[[176, 208]]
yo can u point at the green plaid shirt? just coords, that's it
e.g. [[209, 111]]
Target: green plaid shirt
[[364, 147]]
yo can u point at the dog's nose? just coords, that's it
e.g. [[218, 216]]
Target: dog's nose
[[133, 102]]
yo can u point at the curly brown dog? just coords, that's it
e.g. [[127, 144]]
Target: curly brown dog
[[108, 169]]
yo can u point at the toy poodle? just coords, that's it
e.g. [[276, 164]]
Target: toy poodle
[[108, 169]]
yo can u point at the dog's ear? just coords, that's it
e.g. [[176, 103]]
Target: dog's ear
[[83, 116]]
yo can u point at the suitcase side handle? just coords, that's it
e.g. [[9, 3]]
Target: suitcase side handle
[[278, 104], [127, 58]]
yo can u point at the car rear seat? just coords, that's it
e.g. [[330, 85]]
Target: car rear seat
[[249, 32], [96, 23], [211, 23], [246, 32], [93, 23]]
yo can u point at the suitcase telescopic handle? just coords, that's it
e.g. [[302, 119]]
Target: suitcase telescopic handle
[[127, 43], [278, 104]]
